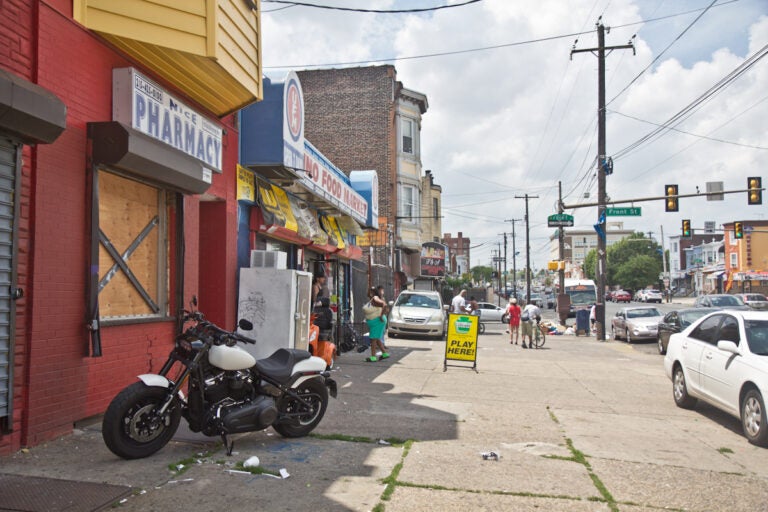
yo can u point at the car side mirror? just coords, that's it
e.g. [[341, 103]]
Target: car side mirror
[[728, 346]]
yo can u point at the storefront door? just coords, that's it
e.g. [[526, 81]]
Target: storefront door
[[10, 168]]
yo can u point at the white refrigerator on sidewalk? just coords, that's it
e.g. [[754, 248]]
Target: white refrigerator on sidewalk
[[276, 302]]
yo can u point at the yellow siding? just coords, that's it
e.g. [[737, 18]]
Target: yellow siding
[[208, 49]]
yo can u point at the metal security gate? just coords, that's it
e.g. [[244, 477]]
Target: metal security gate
[[10, 169]]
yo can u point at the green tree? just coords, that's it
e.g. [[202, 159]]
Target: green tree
[[482, 274], [589, 265], [638, 272]]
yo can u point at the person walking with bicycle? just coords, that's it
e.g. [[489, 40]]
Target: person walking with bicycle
[[530, 321], [377, 325]]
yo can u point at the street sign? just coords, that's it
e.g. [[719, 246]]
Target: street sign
[[559, 219], [627, 212]]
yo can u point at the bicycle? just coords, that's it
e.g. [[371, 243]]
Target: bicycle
[[539, 336], [349, 338]]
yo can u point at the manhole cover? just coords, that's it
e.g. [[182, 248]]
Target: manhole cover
[[38, 494]]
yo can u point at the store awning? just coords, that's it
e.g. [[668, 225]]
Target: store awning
[[120, 146], [30, 112]]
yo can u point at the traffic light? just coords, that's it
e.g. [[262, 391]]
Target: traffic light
[[738, 230], [686, 228], [755, 194], [670, 203]]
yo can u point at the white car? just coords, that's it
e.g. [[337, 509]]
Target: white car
[[492, 313], [652, 296], [418, 313], [722, 359]]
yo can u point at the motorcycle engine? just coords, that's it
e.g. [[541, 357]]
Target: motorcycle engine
[[235, 405]]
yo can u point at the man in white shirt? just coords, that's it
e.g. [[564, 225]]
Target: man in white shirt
[[532, 313], [458, 303]]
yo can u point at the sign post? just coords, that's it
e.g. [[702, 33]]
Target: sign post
[[461, 344]]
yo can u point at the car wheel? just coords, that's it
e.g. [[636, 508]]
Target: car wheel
[[505, 319], [627, 336], [753, 419], [662, 350], [680, 390]]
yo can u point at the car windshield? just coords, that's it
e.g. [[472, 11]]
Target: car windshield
[[757, 336], [417, 301], [643, 313], [689, 317], [726, 300]]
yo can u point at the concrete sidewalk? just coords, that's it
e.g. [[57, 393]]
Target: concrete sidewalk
[[580, 425]]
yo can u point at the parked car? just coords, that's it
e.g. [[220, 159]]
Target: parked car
[[638, 297], [634, 323], [651, 295], [551, 301], [621, 296], [418, 313], [722, 300], [722, 359], [492, 313], [754, 300], [538, 300], [676, 321]]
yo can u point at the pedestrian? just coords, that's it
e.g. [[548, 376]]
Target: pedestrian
[[531, 314], [513, 316], [377, 325], [318, 283], [592, 317], [458, 303], [380, 293], [473, 308]]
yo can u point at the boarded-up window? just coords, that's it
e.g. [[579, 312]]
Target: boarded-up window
[[133, 263]]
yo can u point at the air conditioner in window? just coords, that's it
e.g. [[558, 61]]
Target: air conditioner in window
[[269, 259]]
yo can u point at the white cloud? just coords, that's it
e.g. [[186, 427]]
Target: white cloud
[[515, 120]]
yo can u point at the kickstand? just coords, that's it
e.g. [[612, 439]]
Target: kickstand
[[228, 445]]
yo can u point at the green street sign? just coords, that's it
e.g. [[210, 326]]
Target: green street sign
[[627, 212], [559, 219]]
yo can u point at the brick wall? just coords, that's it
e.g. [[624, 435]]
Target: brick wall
[[349, 117]]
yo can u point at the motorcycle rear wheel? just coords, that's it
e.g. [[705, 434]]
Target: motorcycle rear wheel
[[313, 391], [129, 428]]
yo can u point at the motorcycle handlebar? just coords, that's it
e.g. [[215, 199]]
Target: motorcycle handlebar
[[219, 334]]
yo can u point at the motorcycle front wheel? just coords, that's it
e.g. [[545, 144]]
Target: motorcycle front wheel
[[131, 428], [298, 419]]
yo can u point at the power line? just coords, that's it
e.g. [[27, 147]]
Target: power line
[[378, 11], [696, 134], [662, 52], [479, 49]]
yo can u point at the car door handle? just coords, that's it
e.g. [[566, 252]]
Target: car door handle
[[708, 355]]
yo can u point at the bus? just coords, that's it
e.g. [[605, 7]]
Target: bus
[[583, 294]]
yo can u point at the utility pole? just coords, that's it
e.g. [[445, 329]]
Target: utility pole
[[563, 299], [604, 167], [514, 256], [527, 249]]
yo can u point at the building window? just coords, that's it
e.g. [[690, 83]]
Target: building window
[[435, 208], [133, 235], [409, 197], [734, 260], [409, 139]]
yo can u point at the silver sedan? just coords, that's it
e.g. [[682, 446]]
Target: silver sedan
[[634, 323], [492, 313]]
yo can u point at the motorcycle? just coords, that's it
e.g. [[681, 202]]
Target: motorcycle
[[227, 392]]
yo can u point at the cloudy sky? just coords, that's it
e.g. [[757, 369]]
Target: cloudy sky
[[511, 112]]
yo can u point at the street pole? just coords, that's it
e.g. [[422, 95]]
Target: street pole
[[527, 249], [514, 256], [602, 170], [563, 300], [665, 276]]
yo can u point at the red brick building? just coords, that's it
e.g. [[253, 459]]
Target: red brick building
[[78, 181]]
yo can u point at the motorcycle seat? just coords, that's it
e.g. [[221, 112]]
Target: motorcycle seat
[[280, 364]]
